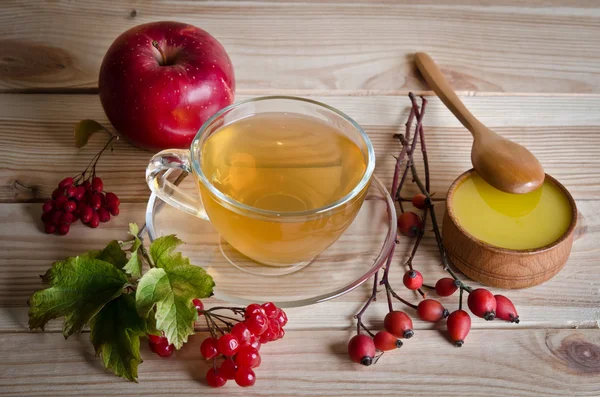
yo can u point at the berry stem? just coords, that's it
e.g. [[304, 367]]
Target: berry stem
[[373, 297], [460, 299]]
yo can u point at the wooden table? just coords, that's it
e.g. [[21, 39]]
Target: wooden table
[[531, 73]]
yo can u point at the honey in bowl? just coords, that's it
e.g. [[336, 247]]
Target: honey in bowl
[[512, 221]]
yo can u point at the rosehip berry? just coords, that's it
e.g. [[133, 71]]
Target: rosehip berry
[[60, 202], [49, 228], [209, 348], [67, 218], [80, 193], [247, 357], [459, 325], [48, 206], [245, 377], [270, 309], [103, 215], [431, 310], [95, 202], [281, 317], [482, 304], [253, 309], [410, 224], [71, 191], [419, 201], [361, 349], [198, 305], [162, 349], [257, 324], [413, 279], [242, 333], [399, 324], [505, 310], [385, 341], [57, 193], [112, 199], [70, 206], [156, 339], [228, 345], [94, 221], [65, 183], [63, 229], [228, 369], [114, 211], [97, 185], [56, 217], [86, 214], [215, 379], [445, 286]]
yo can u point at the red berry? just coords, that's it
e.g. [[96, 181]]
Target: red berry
[[385, 341], [56, 217], [257, 324], [228, 345], [97, 185], [95, 201], [57, 193], [112, 199], [67, 218], [71, 191], [505, 310], [482, 304], [281, 317], [60, 202], [228, 369], [445, 286], [198, 304], [413, 279], [65, 183], [268, 336], [86, 214], [274, 325], [215, 379], [255, 342], [104, 215], [270, 309], [209, 348], [247, 357], [419, 201], [281, 333], [162, 349], [245, 377], [94, 221], [156, 339], [49, 228], [47, 217], [48, 206], [242, 333], [431, 310], [459, 325], [114, 211], [398, 324], [361, 349], [70, 206], [63, 229], [87, 186], [80, 192], [410, 224], [253, 309]]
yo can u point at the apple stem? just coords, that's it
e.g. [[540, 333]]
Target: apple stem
[[162, 54]]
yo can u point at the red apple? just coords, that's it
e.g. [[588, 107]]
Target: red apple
[[159, 82]]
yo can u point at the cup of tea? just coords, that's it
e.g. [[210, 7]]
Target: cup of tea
[[280, 178]]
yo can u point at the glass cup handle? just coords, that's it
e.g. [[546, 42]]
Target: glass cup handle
[[160, 168]]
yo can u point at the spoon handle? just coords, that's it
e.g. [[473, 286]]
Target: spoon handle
[[436, 80]]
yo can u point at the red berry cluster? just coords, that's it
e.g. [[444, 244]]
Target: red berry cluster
[[239, 347], [81, 199], [160, 345]]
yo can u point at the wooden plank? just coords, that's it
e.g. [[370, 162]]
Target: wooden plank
[[563, 133], [347, 46], [315, 363], [569, 300]]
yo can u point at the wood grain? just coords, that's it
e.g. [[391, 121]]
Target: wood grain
[[546, 47], [518, 363], [542, 123]]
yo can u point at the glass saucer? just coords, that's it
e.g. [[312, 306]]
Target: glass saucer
[[348, 263]]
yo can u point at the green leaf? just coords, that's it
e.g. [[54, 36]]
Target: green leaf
[[170, 289], [134, 264], [111, 254], [115, 334], [79, 288], [84, 130]]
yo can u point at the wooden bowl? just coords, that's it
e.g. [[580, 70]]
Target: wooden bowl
[[502, 267]]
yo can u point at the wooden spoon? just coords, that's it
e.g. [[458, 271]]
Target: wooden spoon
[[502, 163]]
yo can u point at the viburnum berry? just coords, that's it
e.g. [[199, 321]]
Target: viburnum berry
[[215, 378], [445, 286], [459, 325], [162, 348], [253, 309], [361, 349], [410, 224], [228, 345], [198, 305], [419, 201], [97, 185], [94, 221], [431, 310], [270, 309], [482, 304], [413, 279], [48, 206], [257, 323], [268, 336], [245, 377], [385, 341], [398, 324], [228, 369], [505, 310], [209, 348], [247, 357], [156, 339], [281, 317], [242, 333]]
